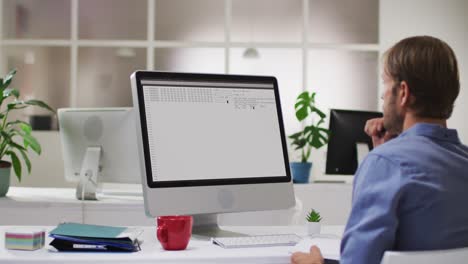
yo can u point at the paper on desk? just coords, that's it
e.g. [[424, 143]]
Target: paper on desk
[[330, 247]]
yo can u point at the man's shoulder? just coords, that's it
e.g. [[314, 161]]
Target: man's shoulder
[[403, 146], [417, 150], [399, 151], [394, 148]]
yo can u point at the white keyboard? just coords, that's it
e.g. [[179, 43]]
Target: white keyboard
[[257, 241]]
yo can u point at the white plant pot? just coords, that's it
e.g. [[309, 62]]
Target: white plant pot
[[313, 228]]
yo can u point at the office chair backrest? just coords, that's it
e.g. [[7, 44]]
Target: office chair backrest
[[452, 256]]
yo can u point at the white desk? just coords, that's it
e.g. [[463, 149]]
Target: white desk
[[49, 206], [152, 252]]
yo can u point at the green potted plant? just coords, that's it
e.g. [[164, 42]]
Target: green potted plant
[[15, 135], [313, 222], [312, 136]]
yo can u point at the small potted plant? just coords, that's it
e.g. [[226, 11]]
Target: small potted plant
[[313, 222], [15, 135], [312, 136]]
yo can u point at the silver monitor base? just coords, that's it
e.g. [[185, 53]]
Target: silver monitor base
[[88, 184], [205, 226]]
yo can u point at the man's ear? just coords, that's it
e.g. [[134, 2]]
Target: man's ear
[[404, 95]]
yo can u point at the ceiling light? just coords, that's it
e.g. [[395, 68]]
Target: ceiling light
[[251, 53]]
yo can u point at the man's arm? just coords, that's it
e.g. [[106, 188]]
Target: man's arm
[[373, 221]]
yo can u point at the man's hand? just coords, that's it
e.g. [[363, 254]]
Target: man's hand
[[375, 129], [314, 257]]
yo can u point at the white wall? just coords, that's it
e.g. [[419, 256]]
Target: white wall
[[445, 19]]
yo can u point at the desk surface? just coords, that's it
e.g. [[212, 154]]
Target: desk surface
[[197, 252], [49, 206]]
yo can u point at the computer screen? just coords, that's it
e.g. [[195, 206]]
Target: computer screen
[[346, 134], [98, 145], [211, 143]]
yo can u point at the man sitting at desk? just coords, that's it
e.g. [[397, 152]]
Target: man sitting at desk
[[409, 193]]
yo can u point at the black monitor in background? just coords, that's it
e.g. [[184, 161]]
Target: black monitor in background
[[346, 129]]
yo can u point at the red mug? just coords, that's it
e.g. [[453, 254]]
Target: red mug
[[174, 232]]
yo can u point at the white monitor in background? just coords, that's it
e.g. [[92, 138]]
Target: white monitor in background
[[98, 145], [210, 144]]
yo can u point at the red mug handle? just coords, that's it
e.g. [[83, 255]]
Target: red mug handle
[[162, 233]]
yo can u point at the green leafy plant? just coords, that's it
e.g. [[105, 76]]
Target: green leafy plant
[[313, 216], [15, 135], [312, 136]]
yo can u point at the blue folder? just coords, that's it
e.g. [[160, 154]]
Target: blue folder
[[83, 237]]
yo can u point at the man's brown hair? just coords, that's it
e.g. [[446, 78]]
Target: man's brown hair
[[429, 66]]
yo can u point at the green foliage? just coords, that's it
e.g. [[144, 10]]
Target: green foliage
[[15, 135], [312, 136], [313, 216]]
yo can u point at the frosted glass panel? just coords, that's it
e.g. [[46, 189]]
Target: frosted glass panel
[[193, 20], [285, 65], [112, 19], [344, 21], [44, 19], [266, 20], [204, 60], [104, 75], [344, 79], [42, 73]]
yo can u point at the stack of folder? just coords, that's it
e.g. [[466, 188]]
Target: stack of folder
[[82, 237]]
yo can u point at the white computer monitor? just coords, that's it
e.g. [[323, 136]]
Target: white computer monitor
[[98, 145], [210, 144]]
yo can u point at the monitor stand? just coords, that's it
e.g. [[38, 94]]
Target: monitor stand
[[205, 226], [362, 149], [87, 186]]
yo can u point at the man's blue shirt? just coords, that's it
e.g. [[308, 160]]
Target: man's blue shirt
[[410, 193]]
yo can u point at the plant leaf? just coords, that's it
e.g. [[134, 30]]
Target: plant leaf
[[6, 135], [316, 110], [300, 143], [22, 151], [316, 137], [302, 105], [30, 141], [40, 104], [11, 123], [295, 135], [6, 82], [26, 160], [16, 105], [16, 164], [25, 127], [15, 145], [301, 113], [10, 91], [313, 216]]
